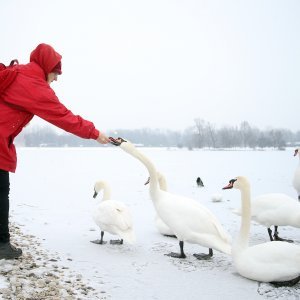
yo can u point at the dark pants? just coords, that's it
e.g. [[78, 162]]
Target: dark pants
[[4, 206]]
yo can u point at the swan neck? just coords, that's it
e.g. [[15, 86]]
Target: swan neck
[[163, 183], [243, 238], [106, 193], [151, 169]]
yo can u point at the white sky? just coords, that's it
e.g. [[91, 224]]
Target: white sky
[[162, 63]]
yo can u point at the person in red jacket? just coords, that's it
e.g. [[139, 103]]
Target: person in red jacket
[[28, 93]]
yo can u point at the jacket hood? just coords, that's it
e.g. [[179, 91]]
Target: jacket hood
[[46, 57]]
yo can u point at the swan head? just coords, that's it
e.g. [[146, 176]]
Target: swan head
[[161, 180], [239, 182], [98, 187], [297, 151], [125, 145]]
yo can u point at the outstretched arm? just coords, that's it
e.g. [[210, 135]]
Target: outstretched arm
[[103, 139]]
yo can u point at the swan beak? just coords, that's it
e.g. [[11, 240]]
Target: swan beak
[[95, 194], [296, 152], [116, 142], [227, 187], [230, 184], [147, 181]]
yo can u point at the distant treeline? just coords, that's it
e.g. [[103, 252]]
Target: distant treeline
[[202, 135]]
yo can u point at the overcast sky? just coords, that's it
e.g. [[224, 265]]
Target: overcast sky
[[161, 63]]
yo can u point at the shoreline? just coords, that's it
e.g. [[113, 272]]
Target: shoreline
[[39, 274]]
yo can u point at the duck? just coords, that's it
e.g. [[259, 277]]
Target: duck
[[274, 262], [275, 209], [161, 226], [189, 220], [199, 182], [112, 216], [296, 178]]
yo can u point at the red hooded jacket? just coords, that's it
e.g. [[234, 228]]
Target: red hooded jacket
[[30, 94]]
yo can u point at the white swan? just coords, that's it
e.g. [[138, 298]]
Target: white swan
[[112, 216], [275, 209], [296, 179], [190, 221], [161, 226], [275, 262]]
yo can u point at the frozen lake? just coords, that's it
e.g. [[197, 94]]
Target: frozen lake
[[51, 198]]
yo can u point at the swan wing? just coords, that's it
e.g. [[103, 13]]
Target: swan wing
[[272, 261], [259, 206], [296, 179], [274, 209], [162, 227], [272, 199], [186, 215], [113, 213]]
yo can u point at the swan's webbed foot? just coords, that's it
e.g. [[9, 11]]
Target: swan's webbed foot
[[286, 283], [171, 235], [203, 256], [116, 242], [270, 234], [99, 242], [278, 238], [176, 255]]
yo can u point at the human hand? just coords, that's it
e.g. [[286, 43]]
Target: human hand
[[103, 139]]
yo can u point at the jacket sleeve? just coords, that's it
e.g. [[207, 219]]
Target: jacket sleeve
[[38, 98]]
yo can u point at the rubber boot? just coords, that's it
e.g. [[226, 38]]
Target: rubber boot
[[8, 251]]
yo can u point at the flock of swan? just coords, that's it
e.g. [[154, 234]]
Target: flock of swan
[[276, 261]]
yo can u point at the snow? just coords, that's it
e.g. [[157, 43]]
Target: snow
[[52, 204]]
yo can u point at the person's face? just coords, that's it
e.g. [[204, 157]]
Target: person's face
[[52, 77]]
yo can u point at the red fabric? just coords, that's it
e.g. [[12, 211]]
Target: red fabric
[[6, 79], [46, 57], [30, 94], [7, 76], [57, 69]]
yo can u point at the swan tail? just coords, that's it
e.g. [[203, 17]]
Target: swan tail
[[224, 247], [227, 249], [209, 241], [128, 237], [225, 237]]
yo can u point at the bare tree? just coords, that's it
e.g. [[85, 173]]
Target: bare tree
[[200, 132], [212, 134], [228, 137], [277, 139]]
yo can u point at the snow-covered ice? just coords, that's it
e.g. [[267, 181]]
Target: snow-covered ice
[[51, 208]]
